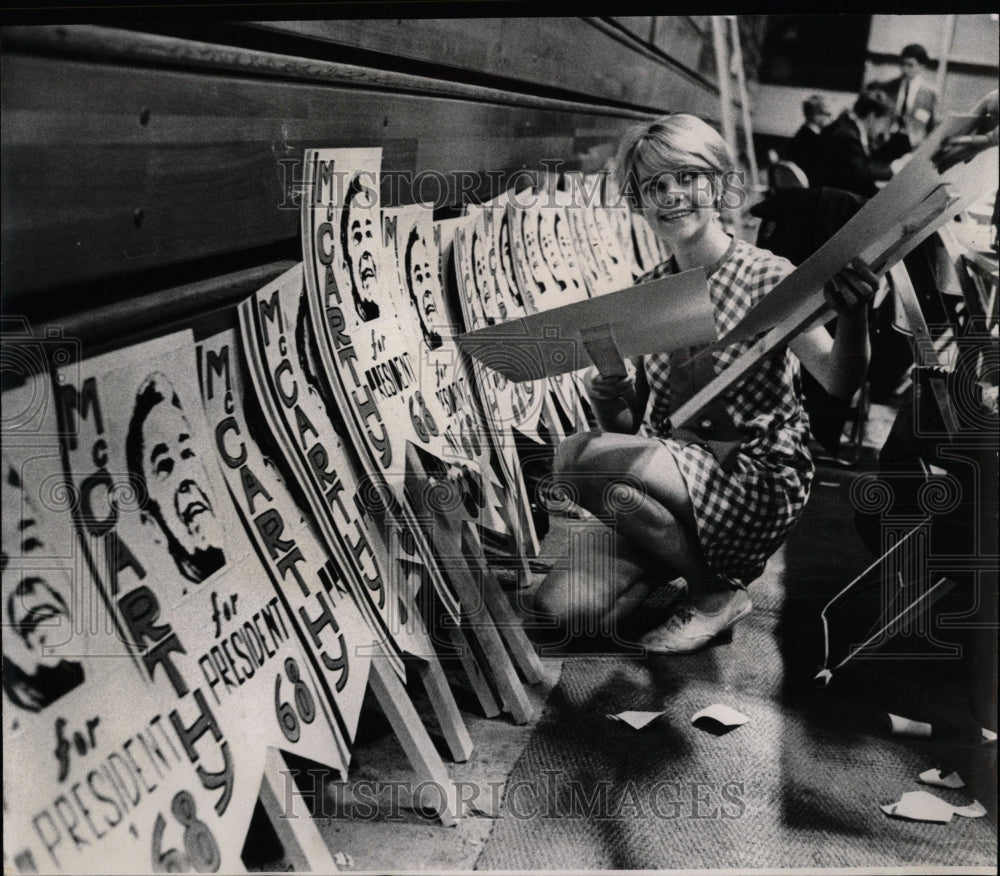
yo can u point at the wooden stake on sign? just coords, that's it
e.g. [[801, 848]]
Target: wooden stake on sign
[[475, 618], [741, 83], [480, 686], [301, 840], [441, 698], [507, 621], [420, 751], [923, 345]]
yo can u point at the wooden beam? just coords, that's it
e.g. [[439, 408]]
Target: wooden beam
[[725, 83], [144, 48], [146, 167], [423, 756], [300, 839]]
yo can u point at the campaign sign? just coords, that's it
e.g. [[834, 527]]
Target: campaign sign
[[275, 330], [312, 583], [548, 281], [368, 362], [487, 388], [76, 764], [518, 405], [164, 756], [463, 447], [594, 231]]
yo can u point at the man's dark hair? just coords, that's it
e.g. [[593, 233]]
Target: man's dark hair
[[873, 102], [411, 241], [917, 52], [150, 395], [354, 189], [367, 310], [812, 106]]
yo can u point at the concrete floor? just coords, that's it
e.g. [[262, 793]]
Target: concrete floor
[[399, 838]]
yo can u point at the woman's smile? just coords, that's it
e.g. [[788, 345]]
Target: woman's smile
[[674, 214]]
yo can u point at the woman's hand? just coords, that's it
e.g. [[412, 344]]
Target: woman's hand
[[607, 388], [852, 289]]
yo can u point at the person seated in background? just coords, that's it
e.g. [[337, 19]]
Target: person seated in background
[[846, 156], [914, 100], [805, 145]]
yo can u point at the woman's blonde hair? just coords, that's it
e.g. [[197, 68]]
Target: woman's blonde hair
[[673, 142]]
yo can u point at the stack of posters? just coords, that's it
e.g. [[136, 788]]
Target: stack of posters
[[274, 326], [462, 450], [370, 370], [318, 585], [171, 614]]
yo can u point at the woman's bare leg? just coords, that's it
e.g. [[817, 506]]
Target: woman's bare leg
[[590, 595], [635, 483], [632, 484]]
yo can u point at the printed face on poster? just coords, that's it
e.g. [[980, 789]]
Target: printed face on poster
[[39, 667], [168, 731], [462, 454]]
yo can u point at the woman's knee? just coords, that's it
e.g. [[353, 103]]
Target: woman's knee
[[561, 604], [552, 605], [570, 452]]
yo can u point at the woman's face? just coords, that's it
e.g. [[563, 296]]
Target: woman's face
[[679, 204]]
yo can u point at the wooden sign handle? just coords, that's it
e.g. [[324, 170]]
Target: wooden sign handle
[[603, 351]]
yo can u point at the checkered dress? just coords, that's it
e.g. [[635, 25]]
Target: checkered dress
[[742, 515]]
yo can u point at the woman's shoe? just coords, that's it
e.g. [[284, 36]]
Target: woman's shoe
[[690, 629]]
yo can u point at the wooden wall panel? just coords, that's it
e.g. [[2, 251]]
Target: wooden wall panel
[[569, 54], [126, 153], [110, 169], [678, 37], [641, 26]]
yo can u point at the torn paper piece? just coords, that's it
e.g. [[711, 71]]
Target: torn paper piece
[[920, 806], [343, 861], [989, 735], [723, 714], [823, 678], [974, 810], [638, 720], [908, 727], [935, 779]]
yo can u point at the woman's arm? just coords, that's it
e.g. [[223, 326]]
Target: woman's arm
[[839, 363], [619, 403]]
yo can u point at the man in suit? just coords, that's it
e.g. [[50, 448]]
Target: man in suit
[[805, 146], [914, 99], [848, 145]]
